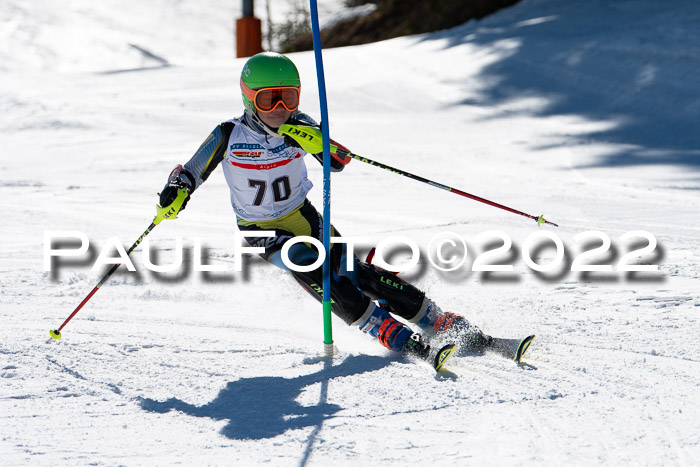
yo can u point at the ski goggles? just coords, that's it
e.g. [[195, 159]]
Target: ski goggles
[[267, 99]]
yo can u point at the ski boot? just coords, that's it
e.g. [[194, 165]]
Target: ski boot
[[440, 326], [471, 339], [377, 322], [394, 335]]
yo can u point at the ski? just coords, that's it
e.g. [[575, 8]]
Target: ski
[[442, 355], [474, 343], [513, 349]]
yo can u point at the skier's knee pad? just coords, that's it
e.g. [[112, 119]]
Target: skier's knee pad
[[402, 298]]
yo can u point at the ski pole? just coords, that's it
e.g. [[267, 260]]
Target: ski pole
[[169, 212], [540, 220], [310, 140]]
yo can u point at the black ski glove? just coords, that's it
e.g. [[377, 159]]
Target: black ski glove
[[179, 178], [291, 142]]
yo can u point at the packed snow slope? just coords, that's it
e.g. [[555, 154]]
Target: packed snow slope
[[584, 111]]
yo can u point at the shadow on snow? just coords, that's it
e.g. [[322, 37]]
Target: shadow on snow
[[632, 64], [265, 407]]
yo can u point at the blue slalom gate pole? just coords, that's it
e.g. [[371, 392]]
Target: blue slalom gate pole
[[327, 328]]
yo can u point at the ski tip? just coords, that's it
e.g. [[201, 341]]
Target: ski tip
[[443, 355], [523, 347], [55, 334]]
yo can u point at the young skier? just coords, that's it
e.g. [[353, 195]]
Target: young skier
[[267, 178]]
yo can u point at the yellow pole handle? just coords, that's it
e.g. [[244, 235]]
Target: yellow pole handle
[[170, 212]]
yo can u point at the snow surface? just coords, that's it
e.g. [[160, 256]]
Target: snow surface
[[584, 111]]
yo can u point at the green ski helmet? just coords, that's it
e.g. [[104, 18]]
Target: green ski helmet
[[264, 70]]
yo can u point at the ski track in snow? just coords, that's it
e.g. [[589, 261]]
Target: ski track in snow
[[225, 369]]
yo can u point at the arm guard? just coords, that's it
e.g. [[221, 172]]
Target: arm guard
[[301, 121], [209, 154]]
